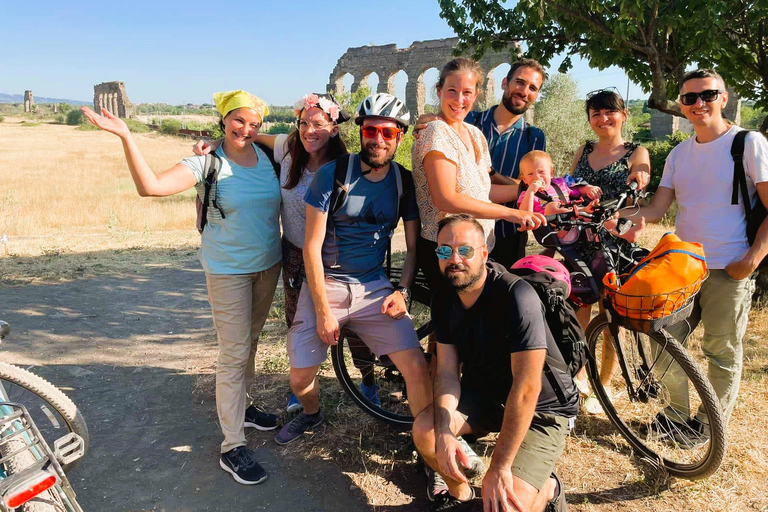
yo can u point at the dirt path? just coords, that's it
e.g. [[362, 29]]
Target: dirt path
[[136, 355]]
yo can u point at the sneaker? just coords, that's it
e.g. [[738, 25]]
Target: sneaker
[[436, 486], [445, 502], [293, 404], [592, 405], [476, 466], [557, 504], [296, 428], [582, 385], [690, 434], [371, 393], [256, 417], [241, 464]]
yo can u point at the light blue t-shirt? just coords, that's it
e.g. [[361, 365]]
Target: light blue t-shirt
[[248, 238], [356, 241]]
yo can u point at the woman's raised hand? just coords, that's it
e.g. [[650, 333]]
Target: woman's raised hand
[[526, 221], [106, 121], [201, 148]]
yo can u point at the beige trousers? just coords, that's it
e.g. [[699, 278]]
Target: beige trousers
[[240, 304]]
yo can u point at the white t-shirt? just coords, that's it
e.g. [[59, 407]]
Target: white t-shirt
[[293, 212], [701, 176]]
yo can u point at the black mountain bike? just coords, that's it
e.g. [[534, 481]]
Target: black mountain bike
[[651, 388]]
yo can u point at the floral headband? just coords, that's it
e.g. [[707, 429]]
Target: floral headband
[[326, 103]]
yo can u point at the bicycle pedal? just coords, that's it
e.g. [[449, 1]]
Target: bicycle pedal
[[69, 448]]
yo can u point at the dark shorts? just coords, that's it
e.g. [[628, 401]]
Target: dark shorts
[[541, 447]]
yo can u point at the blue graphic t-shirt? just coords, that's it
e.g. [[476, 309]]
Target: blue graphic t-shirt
[[356, 241]]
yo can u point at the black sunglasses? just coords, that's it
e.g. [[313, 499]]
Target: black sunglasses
[[708, 96], [606, 90]]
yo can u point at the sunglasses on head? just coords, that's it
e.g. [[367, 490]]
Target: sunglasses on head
[[708, 96], [613, 90], [444, 252], [387, 132]]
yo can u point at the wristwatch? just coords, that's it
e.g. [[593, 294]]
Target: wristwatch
[[404, 291]]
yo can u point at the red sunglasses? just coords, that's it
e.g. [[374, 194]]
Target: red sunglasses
[[387, 132]]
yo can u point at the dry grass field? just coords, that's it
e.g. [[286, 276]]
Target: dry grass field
[[69, 209]]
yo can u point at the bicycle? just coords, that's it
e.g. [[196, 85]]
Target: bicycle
[[354, 363], [32, 411], [647, 361]]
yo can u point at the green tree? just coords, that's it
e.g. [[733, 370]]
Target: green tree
[[651, 40], [75, 117], [170, 126], [560, 114]]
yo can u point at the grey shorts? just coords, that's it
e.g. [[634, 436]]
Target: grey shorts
[[356, 306]]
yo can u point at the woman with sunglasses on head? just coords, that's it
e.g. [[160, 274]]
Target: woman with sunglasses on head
[[610, 164], [452, 168], [300, 153], [240, 253]]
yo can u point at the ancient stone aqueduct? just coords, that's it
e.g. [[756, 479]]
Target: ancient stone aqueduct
[[387, 60], [112, 96]]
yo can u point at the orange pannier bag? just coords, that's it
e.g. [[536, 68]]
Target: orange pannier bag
[[663, 282]]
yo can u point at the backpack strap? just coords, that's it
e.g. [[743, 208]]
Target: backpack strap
[[213, 166], [400, 188], [271, 155], [739, 176], [342, 175]]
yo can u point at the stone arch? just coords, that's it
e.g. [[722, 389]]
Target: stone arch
[[388, 60], [430, 78]]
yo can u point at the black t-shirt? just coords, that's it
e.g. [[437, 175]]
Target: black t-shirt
[[508, 317]]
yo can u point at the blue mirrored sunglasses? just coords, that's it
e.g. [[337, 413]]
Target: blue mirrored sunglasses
[[444, 252]]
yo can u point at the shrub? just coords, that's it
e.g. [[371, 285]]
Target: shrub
[[170, 126], [75, 117], [61, 119], [2, 118], [279, 128], [136, 126]]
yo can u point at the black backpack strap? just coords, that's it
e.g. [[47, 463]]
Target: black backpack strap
[[342, 175], [549, 362], [739, 176], [271, 155], [212, 167]]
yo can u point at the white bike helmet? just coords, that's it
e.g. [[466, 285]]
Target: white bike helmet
[[386, 106]]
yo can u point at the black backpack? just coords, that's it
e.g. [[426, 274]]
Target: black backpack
[[755, 213], [213, 166], [562, 323]]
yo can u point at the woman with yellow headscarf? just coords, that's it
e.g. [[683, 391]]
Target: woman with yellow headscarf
[[240, 252]]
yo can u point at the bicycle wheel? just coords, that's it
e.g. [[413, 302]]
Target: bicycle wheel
[[52, 411], [355, 364], [659, 405]]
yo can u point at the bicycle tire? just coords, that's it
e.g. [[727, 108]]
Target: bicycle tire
[[394, 406], [637, 419], [42, 399]]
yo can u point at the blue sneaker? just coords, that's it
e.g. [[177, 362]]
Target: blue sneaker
[[371, 393], [296, 428], [293, 404]]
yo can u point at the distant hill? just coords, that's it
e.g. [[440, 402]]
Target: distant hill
[[19, 98]]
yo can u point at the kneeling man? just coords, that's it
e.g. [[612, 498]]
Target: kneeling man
[[492, 340]]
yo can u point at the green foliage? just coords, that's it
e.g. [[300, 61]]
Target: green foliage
[[75, 117], [752, 118], [560, 114], [61, 119], [30, 123], [278, 128], [65, 108], [659, 150], [652, 45], [2, 118], [349, 131], [170, 126], [136, 126], [87, 127], [280, 115], [194, 125]]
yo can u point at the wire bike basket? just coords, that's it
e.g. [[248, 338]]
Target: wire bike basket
[[651, 313]]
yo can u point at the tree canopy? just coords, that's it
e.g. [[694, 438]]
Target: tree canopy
[[653, 41]]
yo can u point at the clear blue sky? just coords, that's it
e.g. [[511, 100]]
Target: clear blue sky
[[181, 52]]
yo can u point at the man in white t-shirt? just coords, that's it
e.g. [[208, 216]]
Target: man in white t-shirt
[[699, 174]]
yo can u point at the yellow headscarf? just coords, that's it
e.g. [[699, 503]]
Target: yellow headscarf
[[228, 101]]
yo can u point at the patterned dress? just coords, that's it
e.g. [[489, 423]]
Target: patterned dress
[[612, 178]]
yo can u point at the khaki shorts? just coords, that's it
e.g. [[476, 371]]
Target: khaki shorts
[[542, 445], [356, 306]]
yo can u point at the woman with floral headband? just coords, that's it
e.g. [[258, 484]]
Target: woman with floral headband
[[300, 153], [240, 252]]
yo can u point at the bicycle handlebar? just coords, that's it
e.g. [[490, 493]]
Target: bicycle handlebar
[[603, 211]]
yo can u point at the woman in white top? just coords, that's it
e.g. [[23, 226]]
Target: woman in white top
[[452, 166]]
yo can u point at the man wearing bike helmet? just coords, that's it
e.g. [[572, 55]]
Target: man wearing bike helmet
[[492, 341], [353, 207], [699, 174]]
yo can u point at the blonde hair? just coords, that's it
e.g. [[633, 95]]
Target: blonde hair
[[531, 156], [461, 64]]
